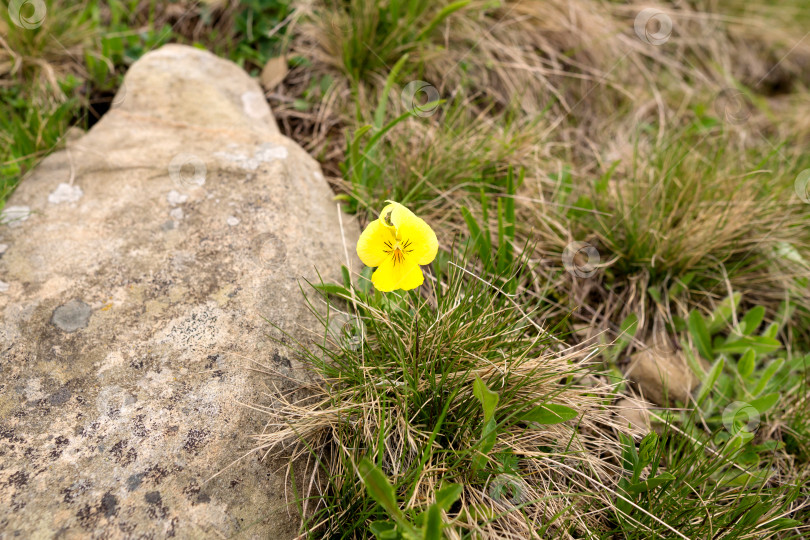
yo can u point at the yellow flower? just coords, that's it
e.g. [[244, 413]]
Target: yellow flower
[[397, 243]]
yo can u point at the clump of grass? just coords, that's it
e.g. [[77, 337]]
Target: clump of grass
[[679, 224], [457, 386]]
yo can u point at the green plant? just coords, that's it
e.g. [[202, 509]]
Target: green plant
[[457, 387], [372, 34], [672, 489], [426, 525], [749, 374], [480, 240]]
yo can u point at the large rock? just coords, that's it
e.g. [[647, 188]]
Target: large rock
[[140, 265]]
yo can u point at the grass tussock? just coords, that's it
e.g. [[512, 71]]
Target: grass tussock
[[399, 389]]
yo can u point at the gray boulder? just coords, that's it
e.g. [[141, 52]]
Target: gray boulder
[[138, 270]]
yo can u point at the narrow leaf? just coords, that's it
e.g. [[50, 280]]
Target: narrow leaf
[[711, 378], [700, 333], [487, 398], [549, 413], [769, 372]]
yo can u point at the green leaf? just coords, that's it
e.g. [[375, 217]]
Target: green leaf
[[783, 523], [760, 345], [479, 238], [700, 333], [681, 285], [693, 362], [433, 523], [549, 413], [769, 372], [347, 277], [752, 319], [441, 16], [651, 483], [379, 114], [745, 366], [647, 448], [364, 281], [330, 288], [711, 378], [384, 530], [487, 398], [382, 491], [722, 315], [447, 495], [764, 403], [629, 454]]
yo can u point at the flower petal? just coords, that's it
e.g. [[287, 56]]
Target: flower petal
[[405, 275], [371, 247], [410, 227]]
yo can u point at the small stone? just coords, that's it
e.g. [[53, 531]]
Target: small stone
[[233, 221], [634, 415], [3, 248], [274, 72], [65, 193], [662, 373], [175, 197], [3, 286], [72, 316], [176, 214]]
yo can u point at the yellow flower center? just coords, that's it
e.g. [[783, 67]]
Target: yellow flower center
[[398, 250]]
